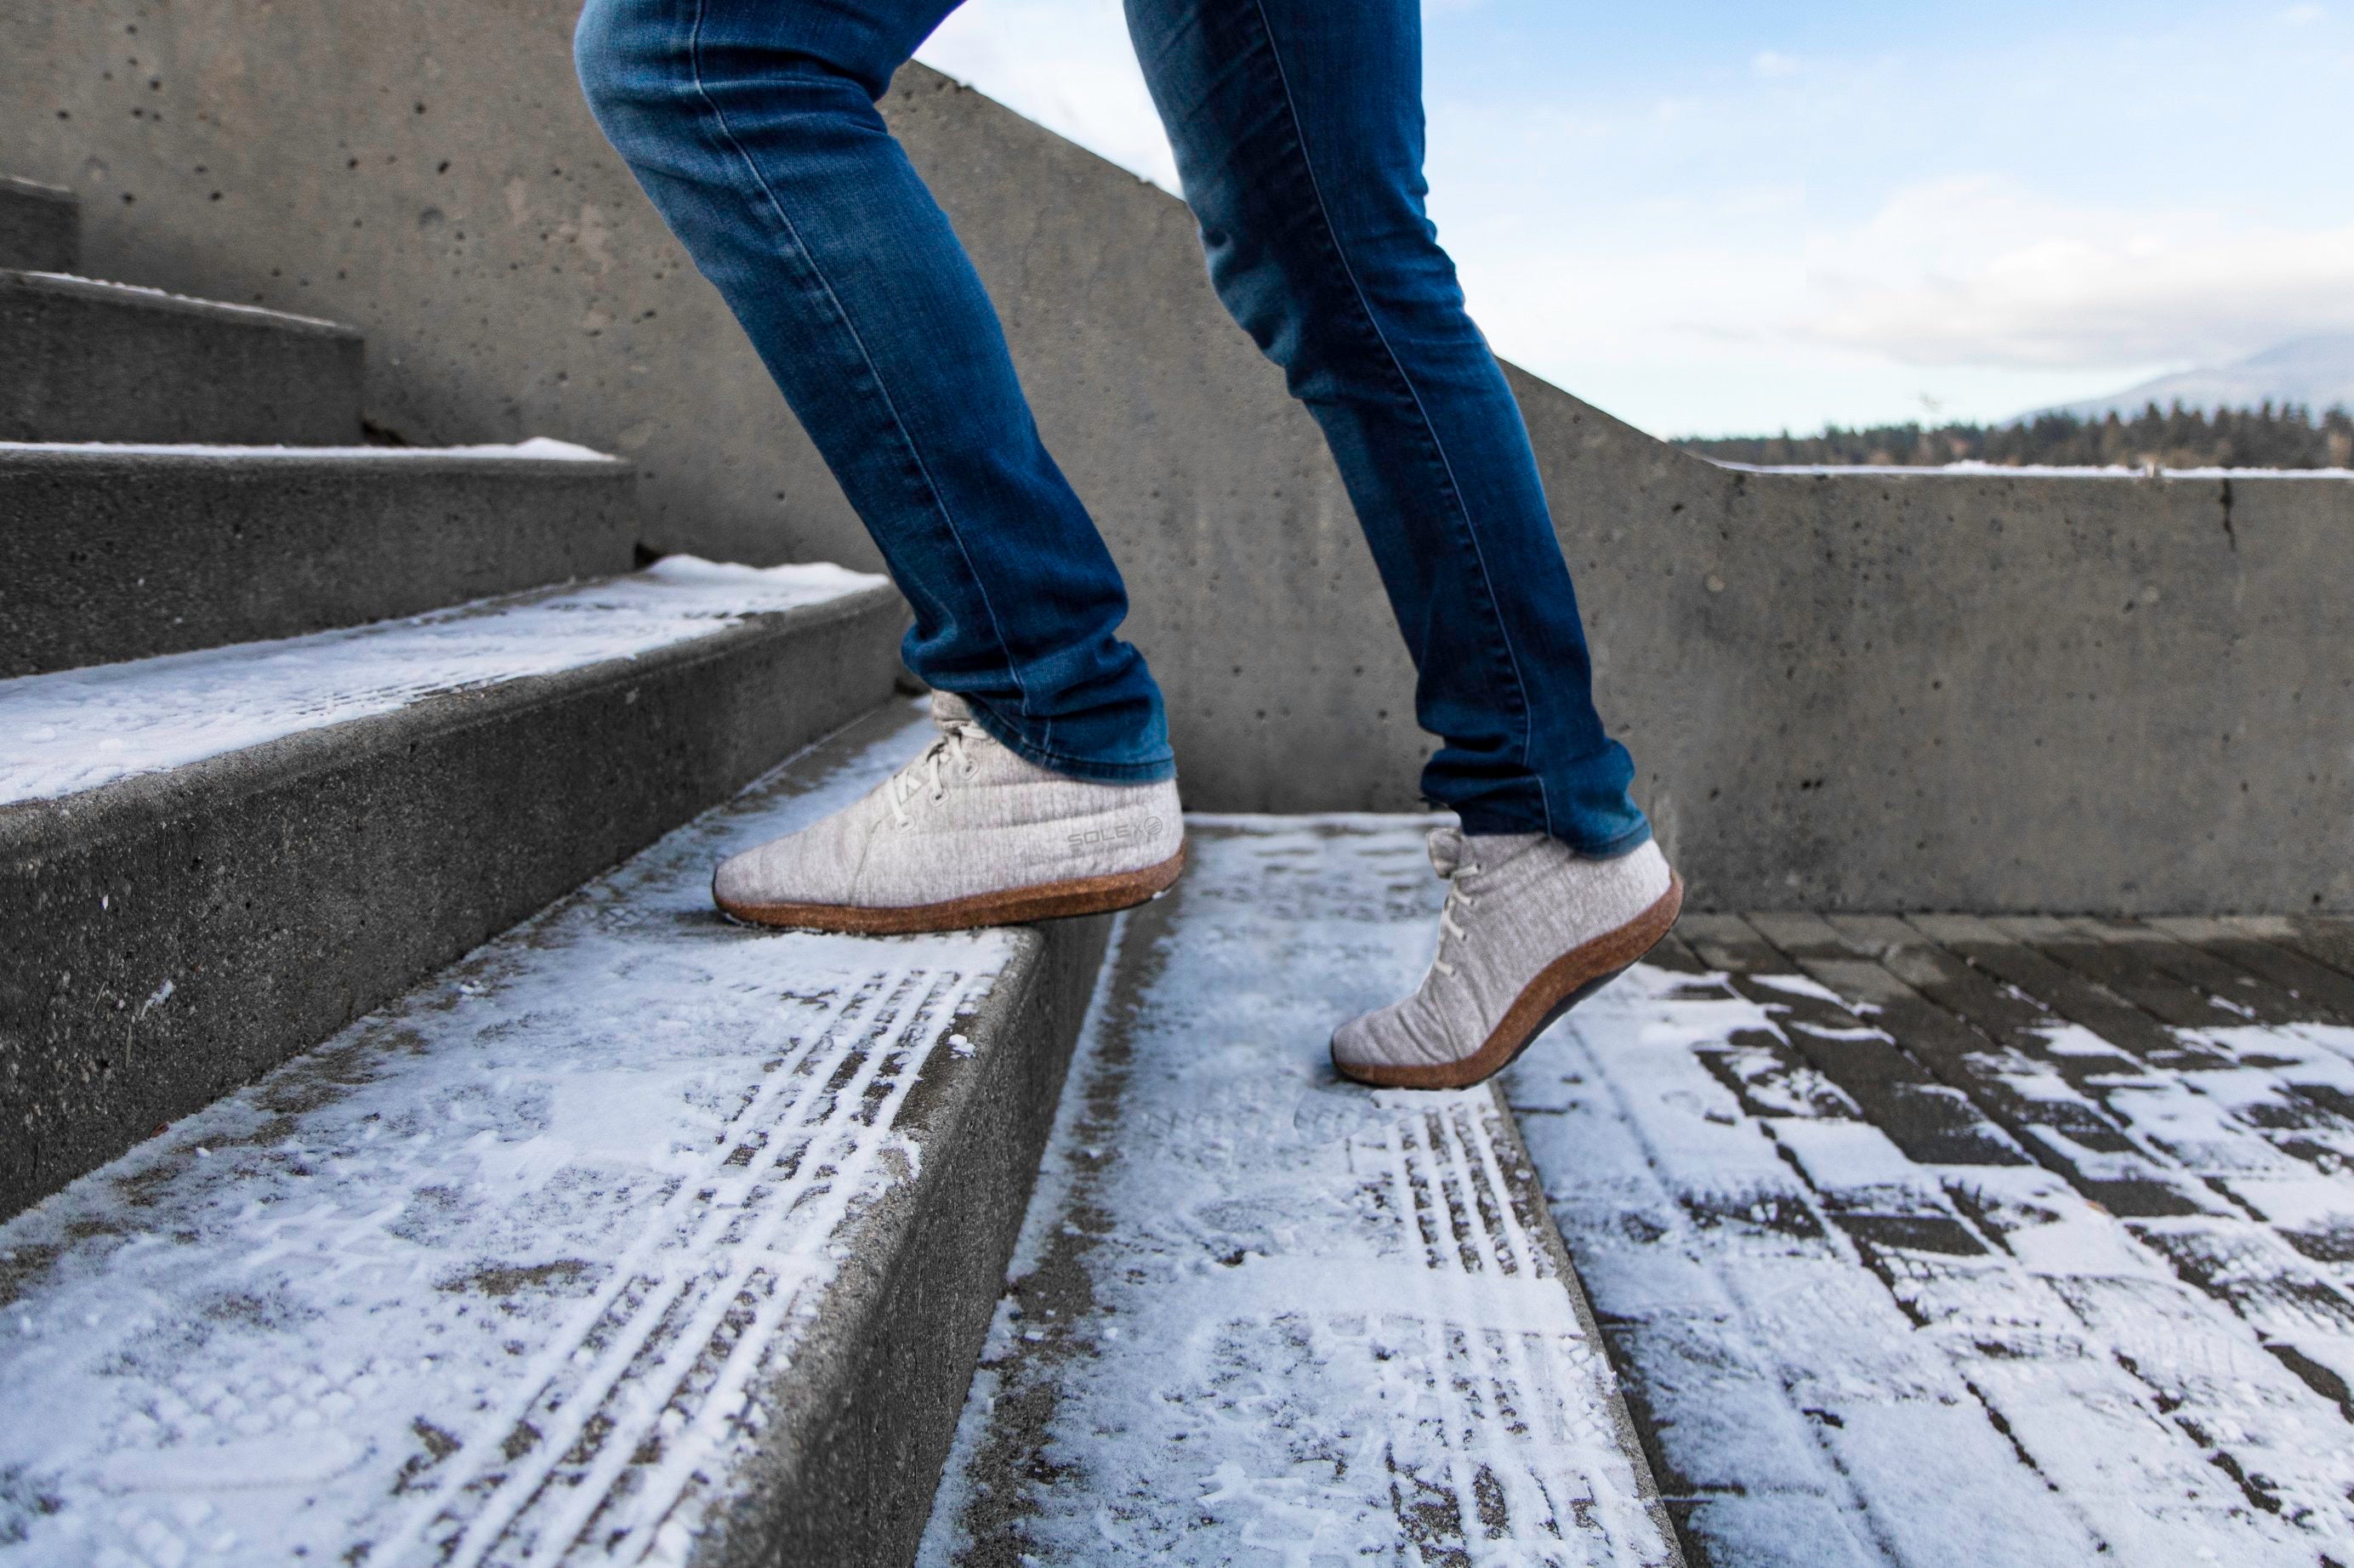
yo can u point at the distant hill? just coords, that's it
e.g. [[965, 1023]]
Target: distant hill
[[2317, 372]]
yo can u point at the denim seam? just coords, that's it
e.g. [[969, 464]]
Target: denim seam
[[792, 233], [1430, 431]]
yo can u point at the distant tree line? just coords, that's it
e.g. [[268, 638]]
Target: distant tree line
[[2285, 436]]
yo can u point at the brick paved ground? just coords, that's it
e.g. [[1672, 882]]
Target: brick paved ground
[[1951, 1240]]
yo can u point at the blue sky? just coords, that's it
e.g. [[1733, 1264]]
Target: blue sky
[[1710, 218]]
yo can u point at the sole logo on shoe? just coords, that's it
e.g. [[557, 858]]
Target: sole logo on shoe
[[1143, 833]]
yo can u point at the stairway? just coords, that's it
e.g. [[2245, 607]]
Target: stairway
[[403, 1162]]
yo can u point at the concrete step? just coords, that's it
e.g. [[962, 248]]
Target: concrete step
[[1258, 1311], [40, 227], [87, 361], [635, 1236], [122, 552], [210, 861]]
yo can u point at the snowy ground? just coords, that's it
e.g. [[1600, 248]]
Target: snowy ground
[[503, 1261], [2034, 1249], [1260, 1315]]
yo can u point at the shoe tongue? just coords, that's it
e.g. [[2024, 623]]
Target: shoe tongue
[[1445, 847], [947, 708]]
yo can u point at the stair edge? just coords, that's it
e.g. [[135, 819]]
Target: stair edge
[[193, 865]]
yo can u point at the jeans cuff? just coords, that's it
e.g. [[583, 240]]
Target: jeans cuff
[[1151, 771], [1478, 820]]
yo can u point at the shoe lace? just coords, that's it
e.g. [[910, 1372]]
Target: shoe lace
[[1455, 899], [923, 776]]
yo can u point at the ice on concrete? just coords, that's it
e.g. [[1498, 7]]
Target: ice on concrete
[[103, 286], [78, 729], [1260, 1315], [541, 448], [504, 1272], [1846, 1356]]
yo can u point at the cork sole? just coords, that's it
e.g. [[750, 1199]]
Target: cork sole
[[1014, 907], [1559, 986]]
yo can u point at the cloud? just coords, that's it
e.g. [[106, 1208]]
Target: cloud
[[1979, 271], [1773, 63], [1066, 64], [2298, 15]]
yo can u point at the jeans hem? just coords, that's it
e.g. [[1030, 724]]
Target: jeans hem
[[1476, 824], [1081, 767]]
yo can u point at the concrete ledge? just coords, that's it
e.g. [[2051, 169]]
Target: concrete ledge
[[861, 1428], [39, 226], [284, 890], [127, 554], [105, 362]]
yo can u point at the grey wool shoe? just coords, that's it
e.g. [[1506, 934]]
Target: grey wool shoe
[[1530, 927], [967, 834]]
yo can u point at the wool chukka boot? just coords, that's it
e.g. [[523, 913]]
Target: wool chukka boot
[[1529, 929], [967, 834]]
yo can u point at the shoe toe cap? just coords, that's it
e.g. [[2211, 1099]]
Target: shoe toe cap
[[1370, 1040]]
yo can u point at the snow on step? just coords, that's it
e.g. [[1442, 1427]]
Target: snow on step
[[1849, 1357], [516, 1257], [538, 449], [77, 729], [1259, 1314]]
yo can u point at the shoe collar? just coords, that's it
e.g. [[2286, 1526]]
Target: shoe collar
[[1451, 848]]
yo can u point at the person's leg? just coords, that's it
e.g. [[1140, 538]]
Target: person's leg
[[1298, 126], [1049, 791], [1298, 132], [752, 125]]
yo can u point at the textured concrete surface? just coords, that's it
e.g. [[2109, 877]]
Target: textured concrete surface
[[123, 556], [1259, 1314], [98, 362], [870, 1409], [634, 1236], [1844, 724], [39, 227], [296, 886], [1946, 1240]]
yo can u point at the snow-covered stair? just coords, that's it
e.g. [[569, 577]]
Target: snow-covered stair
[[121, 552], [635, 1236], [1260, 1315], [210, 861], [216, 849]]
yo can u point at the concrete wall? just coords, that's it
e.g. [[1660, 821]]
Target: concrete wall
[[1924, 691]]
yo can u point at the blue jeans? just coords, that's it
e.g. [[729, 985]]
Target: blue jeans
[[1298, 128]]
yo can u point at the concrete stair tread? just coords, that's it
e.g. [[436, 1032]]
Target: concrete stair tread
[[211, 861], [142, 297], [76, 730], [570, 1238], [124, 550], [1254, 1304], [92, 360], [538, 449], [39, 226]]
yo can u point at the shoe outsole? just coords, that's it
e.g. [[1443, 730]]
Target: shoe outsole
[[1014, 907], [1558, 986]]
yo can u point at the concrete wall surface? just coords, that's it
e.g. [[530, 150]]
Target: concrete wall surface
[[1847, 690]]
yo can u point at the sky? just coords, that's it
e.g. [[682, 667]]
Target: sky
[[1711, 217]]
